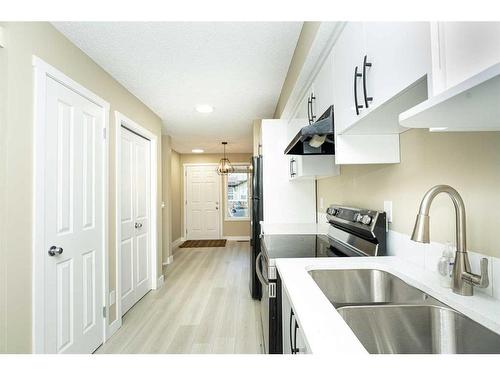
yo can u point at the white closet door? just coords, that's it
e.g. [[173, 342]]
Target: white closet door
[[202, 202], [135, 218], [74, 226]]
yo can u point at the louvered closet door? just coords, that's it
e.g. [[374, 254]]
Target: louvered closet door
[[135, 219], [73, 224]]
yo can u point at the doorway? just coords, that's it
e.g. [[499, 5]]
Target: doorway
[[202, 208], [136, 215]]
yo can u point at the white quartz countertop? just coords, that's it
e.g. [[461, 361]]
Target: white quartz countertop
[[324, 329]]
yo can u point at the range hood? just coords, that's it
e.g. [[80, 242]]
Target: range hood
[[315, 139]]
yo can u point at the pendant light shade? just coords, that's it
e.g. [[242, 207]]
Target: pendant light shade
[[225, 166]]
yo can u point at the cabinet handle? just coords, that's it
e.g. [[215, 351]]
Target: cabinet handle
[[292, 172], [313, 116], [356, 105], [366, 65], [309, 106], [295, 349], [290, 336]]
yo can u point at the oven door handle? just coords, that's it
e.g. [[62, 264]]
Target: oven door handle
[[258, 270]]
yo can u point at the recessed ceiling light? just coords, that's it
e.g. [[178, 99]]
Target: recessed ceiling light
[[197, 150], [204, 108]]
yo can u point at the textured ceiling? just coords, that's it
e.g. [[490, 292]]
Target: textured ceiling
[[238, 68]]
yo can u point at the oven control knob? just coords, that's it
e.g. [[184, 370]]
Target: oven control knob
[[357, 218], [366, 219], [332, 211]]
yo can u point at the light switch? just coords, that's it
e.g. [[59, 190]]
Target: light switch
[[388, 210], [321, 204]]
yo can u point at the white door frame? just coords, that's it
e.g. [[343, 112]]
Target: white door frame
[[185, 167], [42, 71], [123, 121]]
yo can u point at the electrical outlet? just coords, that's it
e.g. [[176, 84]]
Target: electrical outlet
[[388, 210]]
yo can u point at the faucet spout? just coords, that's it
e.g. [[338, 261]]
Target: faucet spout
[[463, 278], [421, 232]]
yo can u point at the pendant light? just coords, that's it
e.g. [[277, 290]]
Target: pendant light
[[225, 166]]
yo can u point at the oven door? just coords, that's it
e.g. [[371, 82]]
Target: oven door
[[261, 270]]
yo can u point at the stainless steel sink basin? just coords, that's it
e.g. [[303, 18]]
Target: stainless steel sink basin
[[418, 329], [366, 287]]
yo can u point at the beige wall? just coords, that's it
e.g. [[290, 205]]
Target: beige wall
[[175, 182], [167, 195], [3, 144], [306, 38], [470, 162], [230, 228], [41, 39]]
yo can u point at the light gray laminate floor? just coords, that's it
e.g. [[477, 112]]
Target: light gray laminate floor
[[204, 307]]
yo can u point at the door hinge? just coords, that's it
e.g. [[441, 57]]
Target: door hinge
[[104, 133], [104, 311]]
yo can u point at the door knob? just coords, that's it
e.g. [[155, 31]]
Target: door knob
[[138, 225], [54, 250]]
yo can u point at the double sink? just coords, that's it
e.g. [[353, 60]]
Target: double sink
[[390, 316]]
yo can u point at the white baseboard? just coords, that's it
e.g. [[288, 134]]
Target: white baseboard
[[113, 327], [170, 260], [177, 242], [237, 238]]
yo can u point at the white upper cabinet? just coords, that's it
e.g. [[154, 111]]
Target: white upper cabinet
[[323, 87], [466, 49], [399, 55], [347, 56], [301, 116], [379, 71], [466, 79]]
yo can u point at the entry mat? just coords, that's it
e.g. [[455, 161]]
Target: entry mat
[[204, 243]]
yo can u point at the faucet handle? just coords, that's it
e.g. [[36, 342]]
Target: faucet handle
[[482, 280]]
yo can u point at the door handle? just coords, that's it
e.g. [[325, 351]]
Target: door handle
[[138, 225], [54, 250]]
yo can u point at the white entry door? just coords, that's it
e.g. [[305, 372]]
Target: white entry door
[[73, 226], [202, 202], [135, 218]]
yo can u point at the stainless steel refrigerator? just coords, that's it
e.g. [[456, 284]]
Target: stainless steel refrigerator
[[256, 218]]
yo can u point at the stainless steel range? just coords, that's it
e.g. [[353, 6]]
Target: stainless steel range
[[352, 232]]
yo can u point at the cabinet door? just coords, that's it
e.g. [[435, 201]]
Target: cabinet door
[[287, 323], [299, 340], [399, 54], [323, 87], [467, 48], [300, 117], [348, 54]]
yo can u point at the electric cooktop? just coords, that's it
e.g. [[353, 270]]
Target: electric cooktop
[[297, 246]]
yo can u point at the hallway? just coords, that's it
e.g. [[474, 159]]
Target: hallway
[[203, 307]]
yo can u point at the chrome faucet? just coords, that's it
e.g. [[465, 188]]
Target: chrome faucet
[[463, 279]]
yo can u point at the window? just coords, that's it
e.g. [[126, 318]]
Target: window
[[237, 205]]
